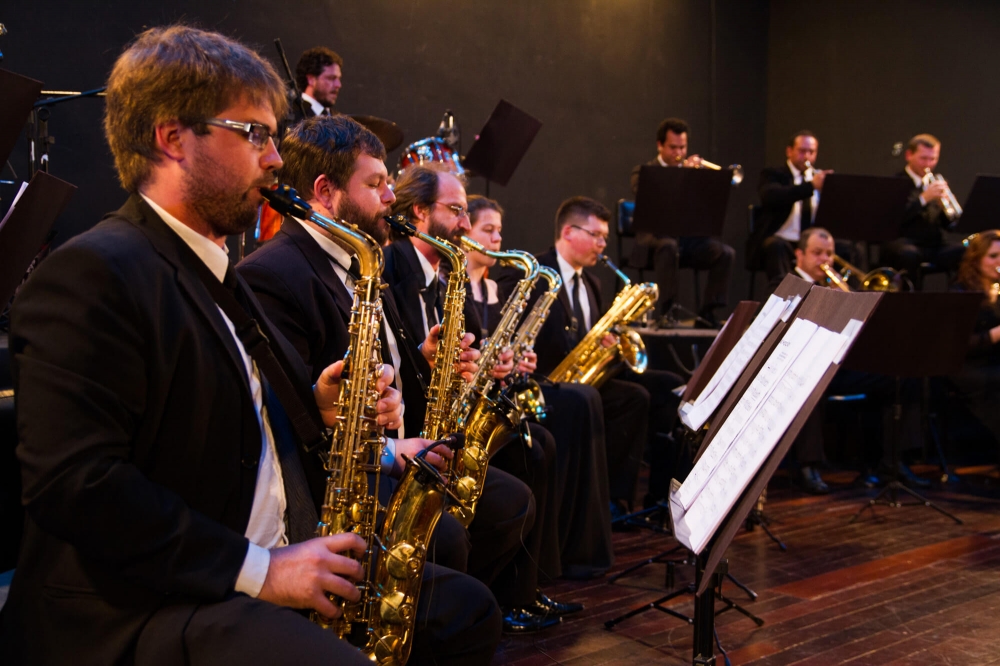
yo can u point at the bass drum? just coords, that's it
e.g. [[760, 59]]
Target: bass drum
[[429, 150]]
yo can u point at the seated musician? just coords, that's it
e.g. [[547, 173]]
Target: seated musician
[[170, 513], [434, 200], [979, 381], [639, 410], [813, 254], [578, 521], [924, 224], [669, 254]]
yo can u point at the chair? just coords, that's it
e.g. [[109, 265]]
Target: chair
[[625, 214]]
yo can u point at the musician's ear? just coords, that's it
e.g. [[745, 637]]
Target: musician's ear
[[325, 192]]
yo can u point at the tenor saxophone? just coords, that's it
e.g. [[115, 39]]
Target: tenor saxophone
[[529, 398], [381, 622], [591, 362]]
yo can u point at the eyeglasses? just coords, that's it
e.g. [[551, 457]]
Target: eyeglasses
[[459, 211], [256, 133], [592, 234]]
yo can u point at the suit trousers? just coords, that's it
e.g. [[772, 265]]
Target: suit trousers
[[699, 253], [664, 453], [504, 517], [457, 623], [626, 418]]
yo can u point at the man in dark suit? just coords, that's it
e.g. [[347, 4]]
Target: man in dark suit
[[318, 76], [924, 223], [789, 196], [162, 500], [638, 409], [669, 254]]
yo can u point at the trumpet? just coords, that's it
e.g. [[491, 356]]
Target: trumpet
[[737, 170], [952, 209]]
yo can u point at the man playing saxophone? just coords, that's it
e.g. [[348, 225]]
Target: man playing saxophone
[[304, 278], [169, 506]]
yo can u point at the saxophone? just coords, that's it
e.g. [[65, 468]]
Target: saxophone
[[529, 398], [381, 623], [485, 419], [590, 362]]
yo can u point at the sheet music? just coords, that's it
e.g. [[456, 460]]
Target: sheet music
[[773, 411], [694, 415], [20, 191]]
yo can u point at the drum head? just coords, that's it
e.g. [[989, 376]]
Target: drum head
[[429, 150]]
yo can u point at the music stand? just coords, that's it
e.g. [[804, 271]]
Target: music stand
[[863, 208], [982, 208], [502, 143], [913, 323], [25, 227], [680, 202]]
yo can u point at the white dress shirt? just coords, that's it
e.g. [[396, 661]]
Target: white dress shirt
[[567, 273], [791, 230], [340, 259], [918, 181], [266, 528], [429, 274], [317, 107], [805, 276]]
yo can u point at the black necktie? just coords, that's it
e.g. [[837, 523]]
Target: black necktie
[[354, 270], [430, 296], [805, 217], [574, 301]]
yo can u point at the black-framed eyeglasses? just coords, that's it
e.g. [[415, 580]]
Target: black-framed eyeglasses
[[592, 234], [459, 211], [256, 133]]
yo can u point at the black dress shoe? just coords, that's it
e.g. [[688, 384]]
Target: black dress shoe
[[523, 621], [810, 481], [546, 606]]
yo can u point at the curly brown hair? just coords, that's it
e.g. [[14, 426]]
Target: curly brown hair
[[968, 270]]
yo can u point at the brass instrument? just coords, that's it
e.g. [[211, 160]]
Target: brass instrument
[[834, 278], [529, 398], [949, 202], [879, 279], [737, 170], [445, 382], [590, 362], [381, 623]]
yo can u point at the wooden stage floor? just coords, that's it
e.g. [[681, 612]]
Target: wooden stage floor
[[908, 586]]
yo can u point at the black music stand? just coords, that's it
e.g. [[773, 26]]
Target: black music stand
[[501, 144], [913, 324], [863, 208], [680, 202], [24, 229], [982, 208]]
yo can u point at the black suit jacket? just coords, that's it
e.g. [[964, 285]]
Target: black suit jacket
[[922, 225], [778, 194], [139, 442], [556, 339], [302, 294]]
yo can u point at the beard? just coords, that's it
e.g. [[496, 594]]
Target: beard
[[439, 230], [373, 225], [216, 199]]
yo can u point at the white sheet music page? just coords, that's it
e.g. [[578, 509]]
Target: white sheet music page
[[694, 415], [696, 525], [793, 342]]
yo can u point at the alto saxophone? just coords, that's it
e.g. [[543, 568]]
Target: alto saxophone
[[381, 623], [529, 398], [485, 418], [590, 362]]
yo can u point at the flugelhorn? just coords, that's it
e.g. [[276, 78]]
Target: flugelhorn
[[737, 170], [949, 203]]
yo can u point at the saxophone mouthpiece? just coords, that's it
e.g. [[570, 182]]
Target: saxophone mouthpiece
[[286, 201], [401, 224]]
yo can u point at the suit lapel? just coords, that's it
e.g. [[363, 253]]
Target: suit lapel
[[549, 259], [174, 250], [320, 263]]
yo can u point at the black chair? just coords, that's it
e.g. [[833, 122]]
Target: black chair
[[625, 214]]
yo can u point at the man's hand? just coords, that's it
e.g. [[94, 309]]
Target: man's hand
[[390, 405], [438, 456], [300, 576], [936, 190], [428, 348], [505, 364], [529, 362], [692, 161], [326, 392], [609, 340], [818, 178], [467, 365]]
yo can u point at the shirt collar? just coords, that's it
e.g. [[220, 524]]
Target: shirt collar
[[795, 172], [429, 272], [917, 180], [316, 105], [804, 275], [213, 256], [659, 159], [566, 270], [334, 251]]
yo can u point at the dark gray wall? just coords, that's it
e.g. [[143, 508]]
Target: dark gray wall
[[865, 74], [599, 75]]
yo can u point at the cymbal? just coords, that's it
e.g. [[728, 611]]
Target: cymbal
[[387, 131]]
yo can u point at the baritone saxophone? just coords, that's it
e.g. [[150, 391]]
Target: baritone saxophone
[[381, 622]]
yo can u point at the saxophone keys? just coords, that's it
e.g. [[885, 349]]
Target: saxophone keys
[[472, 458], [464, 488], [386, 650], [400, 562], [394, 608]]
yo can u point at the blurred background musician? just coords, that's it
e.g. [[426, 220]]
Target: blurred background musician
[[318, 76], [789, 197], [669, 254], [922, 232], [575, 419], [979, 382]]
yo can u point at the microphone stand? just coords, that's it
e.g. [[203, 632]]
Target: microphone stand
[[39, 138]]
